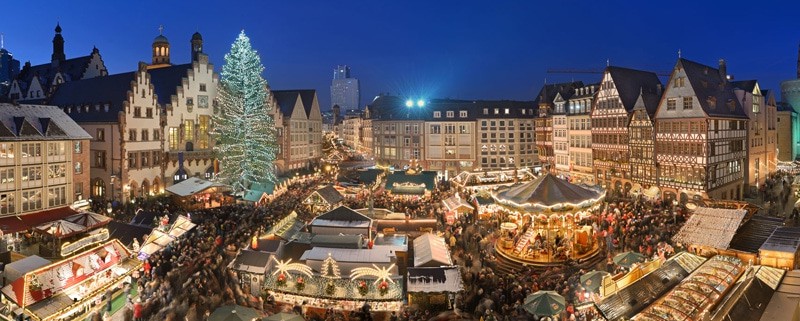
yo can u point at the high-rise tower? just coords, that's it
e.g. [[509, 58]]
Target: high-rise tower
[[345, 90]]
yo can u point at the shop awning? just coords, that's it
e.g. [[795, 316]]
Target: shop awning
[[156, 241], [193, 186], [181, 225], [19, 223]]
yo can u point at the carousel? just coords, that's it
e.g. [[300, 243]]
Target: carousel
[[547, 221]]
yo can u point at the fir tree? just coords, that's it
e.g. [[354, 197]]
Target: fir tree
[[245, 134]]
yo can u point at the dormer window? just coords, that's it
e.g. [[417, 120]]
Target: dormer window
[[462, 113], [497, 111], [437, 114], [450, 114], [105, 107], [486, 111]]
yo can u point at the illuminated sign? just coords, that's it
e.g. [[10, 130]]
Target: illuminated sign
[[97, 237]]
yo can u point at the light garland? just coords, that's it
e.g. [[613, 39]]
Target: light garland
[[244, 130], [381, 273], [286, 266]]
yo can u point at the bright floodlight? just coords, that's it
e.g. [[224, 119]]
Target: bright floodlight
[[420, 103], [409, 103]]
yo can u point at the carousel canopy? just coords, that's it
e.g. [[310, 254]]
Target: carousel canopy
[[546, 191], [61, 228], [89, 219]]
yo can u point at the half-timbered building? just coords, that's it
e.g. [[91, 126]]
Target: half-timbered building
[[761, 110], [641, 144], [614, 104], [544, 123], [701, 135]]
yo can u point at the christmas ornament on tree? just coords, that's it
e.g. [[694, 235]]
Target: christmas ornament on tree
[[245, 133]]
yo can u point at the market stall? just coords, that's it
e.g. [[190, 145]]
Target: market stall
[[710, 230], [323, 199], [492, 178], [456, 206]]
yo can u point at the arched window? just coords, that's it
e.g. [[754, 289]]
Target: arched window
[[99, 188]]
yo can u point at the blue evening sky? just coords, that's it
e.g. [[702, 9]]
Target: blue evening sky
[[456, 49]]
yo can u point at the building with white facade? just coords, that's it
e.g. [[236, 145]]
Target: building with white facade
[[298, 122]]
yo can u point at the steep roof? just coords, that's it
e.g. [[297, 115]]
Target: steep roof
[[72, 69], [746, 85], [330, 194], [716, 98], [341, 216], [307, 96], [286, 101], [631, 82], [37, 122], [112, 90], [166, 81], [546, 190], [549, 92]]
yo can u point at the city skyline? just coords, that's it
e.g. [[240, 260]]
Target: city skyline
[[411, 50]]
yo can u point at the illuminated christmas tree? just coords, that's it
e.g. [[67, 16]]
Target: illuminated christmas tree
[[330, 269], [244, 131]]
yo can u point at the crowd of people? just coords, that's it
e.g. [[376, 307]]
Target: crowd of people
[[189, 278]]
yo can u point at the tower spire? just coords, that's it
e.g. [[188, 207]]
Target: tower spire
[[679, 54]]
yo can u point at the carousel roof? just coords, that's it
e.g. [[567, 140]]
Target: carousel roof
[[546, 190], [88, 219], [61, 228]]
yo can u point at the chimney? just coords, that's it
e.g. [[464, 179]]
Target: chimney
[[723, 70]]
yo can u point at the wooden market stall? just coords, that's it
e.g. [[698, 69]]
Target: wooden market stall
[[198, 193], [782, 249]]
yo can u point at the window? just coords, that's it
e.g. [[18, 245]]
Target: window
[[77, 147], [687, 102], [671, 103], [756, 104], [202, 132], [156, 158], [486, 111], [156, 134], [450, 114], [173, 138], [462, 114], [78, 189], [56, 149], [462, 129], [31, 200], [145, 135], [100, 159], [132, 135], [679, 82], [203, 87], [437, 114], [7, 175], [189, 101], [436, 129], [497, 111], [506, 111], [56, 171], [149, 112], [56, 196], [31, 173], [137, 112], [145, 158], [7, 203], [101, 135], [31, 150], [131, 160]]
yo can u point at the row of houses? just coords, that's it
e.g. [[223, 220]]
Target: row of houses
[[701, 134], [151, 127]]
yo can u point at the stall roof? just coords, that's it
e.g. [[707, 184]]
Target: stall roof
[[749, 299], [89, 219], [60, 228], [342, 216], [430, 251], [17, 269], [712, 227], [156, 241], [369, 176], [337, 241], [434, 279], [753, 233], [329, 194], [127, 232], [192, 186], [783, 239], [375, 255], [11, 224], [633, 298], [400, 182], [251, 261], [785, 301], [287, 227], [454, 203], [181, 225]]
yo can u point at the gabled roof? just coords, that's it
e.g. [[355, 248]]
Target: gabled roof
[[286, 100], [431, 251], [716, 98], [307, 95], [342, 214], [251, 261], [112, 90], [37, 122], [72, 69], [329, 194], [548, 92], [746, 85], [166, 81], [631, 82]]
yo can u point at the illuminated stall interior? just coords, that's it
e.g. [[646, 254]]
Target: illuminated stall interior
[[68, 289], [493, 178], [543, 222]]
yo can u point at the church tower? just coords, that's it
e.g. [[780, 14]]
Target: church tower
[[197, 45], [160, 49], [58, 47]]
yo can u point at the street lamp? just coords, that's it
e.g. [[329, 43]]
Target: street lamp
[[674, 211]]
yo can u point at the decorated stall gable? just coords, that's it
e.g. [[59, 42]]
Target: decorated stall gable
[[52, 279]]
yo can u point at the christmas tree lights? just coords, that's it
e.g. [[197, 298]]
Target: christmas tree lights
[[246, 144]]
